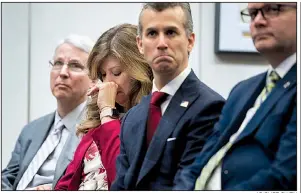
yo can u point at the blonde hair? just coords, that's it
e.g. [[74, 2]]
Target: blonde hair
[[118, 42]]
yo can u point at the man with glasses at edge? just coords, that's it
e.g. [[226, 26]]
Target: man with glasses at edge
[[254, 144], [46, 145]]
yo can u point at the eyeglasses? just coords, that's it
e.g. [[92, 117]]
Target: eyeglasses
[[268, 11], [73, 66]]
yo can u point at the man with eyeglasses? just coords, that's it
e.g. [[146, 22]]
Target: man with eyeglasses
[[46, 145], [254, 145]]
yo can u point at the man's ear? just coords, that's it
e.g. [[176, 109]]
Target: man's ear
[[139, 44], [191, 40]]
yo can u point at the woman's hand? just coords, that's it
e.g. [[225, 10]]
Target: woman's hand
[[106, 94]]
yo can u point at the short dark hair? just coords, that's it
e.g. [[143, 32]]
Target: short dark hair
[[188, 25]]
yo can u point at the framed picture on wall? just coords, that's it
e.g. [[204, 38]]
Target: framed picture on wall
[[231, 33]]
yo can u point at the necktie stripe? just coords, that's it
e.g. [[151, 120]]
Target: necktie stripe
[[43, 153]]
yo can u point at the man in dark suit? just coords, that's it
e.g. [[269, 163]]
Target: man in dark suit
[[254, 143], [155, 149], [46, 145]]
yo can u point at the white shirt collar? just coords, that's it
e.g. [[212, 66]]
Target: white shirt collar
[[172, 87], [71, 118], [284, 66]]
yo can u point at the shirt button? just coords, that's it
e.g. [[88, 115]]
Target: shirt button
[[226, 172]]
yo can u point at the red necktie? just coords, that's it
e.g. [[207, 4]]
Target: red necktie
[[154, 114]]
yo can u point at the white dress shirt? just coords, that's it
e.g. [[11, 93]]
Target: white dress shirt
[[171, 87], [45, 174], [214, 182]]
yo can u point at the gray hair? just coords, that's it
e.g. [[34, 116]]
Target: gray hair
[[188, 25], [82, 42]]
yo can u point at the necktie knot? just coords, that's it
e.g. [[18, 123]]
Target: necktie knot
[[158, 98], [59, 127], [274, 77], [271, 81]]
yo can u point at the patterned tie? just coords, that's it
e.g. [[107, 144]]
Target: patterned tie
[[154, 115], [215, 160], [271, 83], [46, 149]]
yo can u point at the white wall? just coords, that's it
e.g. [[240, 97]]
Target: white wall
[[221, 72], [14, 74], [49, 22]]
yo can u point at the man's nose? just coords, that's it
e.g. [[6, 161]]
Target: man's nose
[[162, 42], [259, 18], [64, 72]]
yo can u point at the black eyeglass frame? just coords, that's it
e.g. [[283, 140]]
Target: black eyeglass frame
[[263, 10]]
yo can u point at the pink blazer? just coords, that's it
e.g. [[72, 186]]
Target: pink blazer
[[106, 137]]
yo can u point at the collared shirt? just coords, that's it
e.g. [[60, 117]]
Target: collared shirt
[[215, 180], [284, 66], [172, 87], [45, 174]]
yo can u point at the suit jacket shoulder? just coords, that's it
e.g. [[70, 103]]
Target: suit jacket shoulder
[[247, 83], [22, 153], [180, 135], [31, 127]]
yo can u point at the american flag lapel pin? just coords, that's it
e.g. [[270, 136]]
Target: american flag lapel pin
[[286, 84], [184, 104]]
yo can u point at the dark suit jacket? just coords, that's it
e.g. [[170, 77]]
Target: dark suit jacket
[[264, 156], [155, 168], [29, 142]]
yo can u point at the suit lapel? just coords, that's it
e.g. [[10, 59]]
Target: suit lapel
[[37, 140], [68, 150], [244, 102], [174, 112], [281, 88], [66, 156], [139, 133]]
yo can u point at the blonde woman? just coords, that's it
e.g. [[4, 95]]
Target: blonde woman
[[126, 78]]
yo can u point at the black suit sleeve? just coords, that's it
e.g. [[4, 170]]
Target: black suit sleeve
[[10, 173]]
